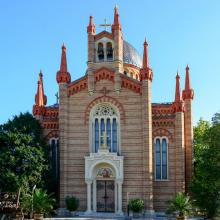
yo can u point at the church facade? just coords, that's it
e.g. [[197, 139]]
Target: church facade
[[110, 142]]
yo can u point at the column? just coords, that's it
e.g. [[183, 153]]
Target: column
[[116, 197], [94, 195], [119, 197], [89, 183]]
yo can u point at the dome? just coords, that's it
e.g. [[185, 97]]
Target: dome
[[131, 55]]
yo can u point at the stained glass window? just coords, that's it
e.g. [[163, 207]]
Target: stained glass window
[[105, 119]]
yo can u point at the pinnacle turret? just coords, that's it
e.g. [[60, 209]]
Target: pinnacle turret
[[188, 92], [146, 72], [63, 75], [40, 98], [178, 104], [117, 24], [91, 26]]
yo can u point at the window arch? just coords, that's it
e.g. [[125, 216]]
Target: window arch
[[105, 118], [161, 158], [100, 51], [109, 51]]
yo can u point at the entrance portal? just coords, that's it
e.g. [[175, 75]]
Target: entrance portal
[[105, 195]]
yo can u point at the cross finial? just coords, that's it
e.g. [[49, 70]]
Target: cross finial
[[105, 25], [57, 98]]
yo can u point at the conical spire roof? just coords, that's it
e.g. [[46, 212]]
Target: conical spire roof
[[40, 98], [117, 24], [146, 72], [177, 92], [63, 75], [91, 26], [188, 92]]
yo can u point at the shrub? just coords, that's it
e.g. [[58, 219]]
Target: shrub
[[136, 205], [181, 205], [42, 202], [72, 203]]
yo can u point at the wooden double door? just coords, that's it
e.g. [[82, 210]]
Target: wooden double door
[[105, 190]]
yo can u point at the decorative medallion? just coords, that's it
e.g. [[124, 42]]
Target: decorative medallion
[[105, 173]]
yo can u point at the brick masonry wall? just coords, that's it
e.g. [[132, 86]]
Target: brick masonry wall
[[74, 138]]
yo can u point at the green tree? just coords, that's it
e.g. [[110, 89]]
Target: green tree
[[205, 185], [23, 153]]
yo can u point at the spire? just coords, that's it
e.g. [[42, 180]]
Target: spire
[[188, 93], [40, 98], [177, 93], [145, 56], [117, 24], [146, 72], [187, 82], [62, 75], [63, 64], [178, 104], [91, 26]]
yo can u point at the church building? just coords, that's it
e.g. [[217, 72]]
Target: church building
[[110, 141]]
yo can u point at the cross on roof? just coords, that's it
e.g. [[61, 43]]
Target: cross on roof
[[57, 98], [105, 25]]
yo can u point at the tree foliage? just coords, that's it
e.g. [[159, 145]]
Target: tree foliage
[[23, 153], [205, 185]]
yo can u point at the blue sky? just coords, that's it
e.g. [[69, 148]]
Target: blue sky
[[178, 33]]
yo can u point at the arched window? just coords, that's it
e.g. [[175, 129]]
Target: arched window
[[54, 143], [161, 157], [104, 118], [55, 165], [109, 51], [100, 52], [125, 73]]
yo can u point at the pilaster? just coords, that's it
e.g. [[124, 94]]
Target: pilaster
[[63, 131], [179, 152], [147, 145], [188, 142]]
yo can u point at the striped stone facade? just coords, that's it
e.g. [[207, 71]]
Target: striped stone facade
[[141, 122]]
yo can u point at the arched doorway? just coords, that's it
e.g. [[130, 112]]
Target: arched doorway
[[105, 190], [104, 178]]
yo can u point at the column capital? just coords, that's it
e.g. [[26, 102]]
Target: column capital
[[119, 181], [88, 181]]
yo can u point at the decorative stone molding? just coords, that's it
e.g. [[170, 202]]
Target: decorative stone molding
[[161, 132], [130, 84], [103, 99], [104, 34], [53, 134], [77, 86], [50, 124], [112, 160], [164, 123], [104, 73]]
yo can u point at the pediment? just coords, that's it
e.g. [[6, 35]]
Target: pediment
[[104, 34]]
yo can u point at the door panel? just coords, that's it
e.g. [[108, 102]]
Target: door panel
[[105, 195]]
